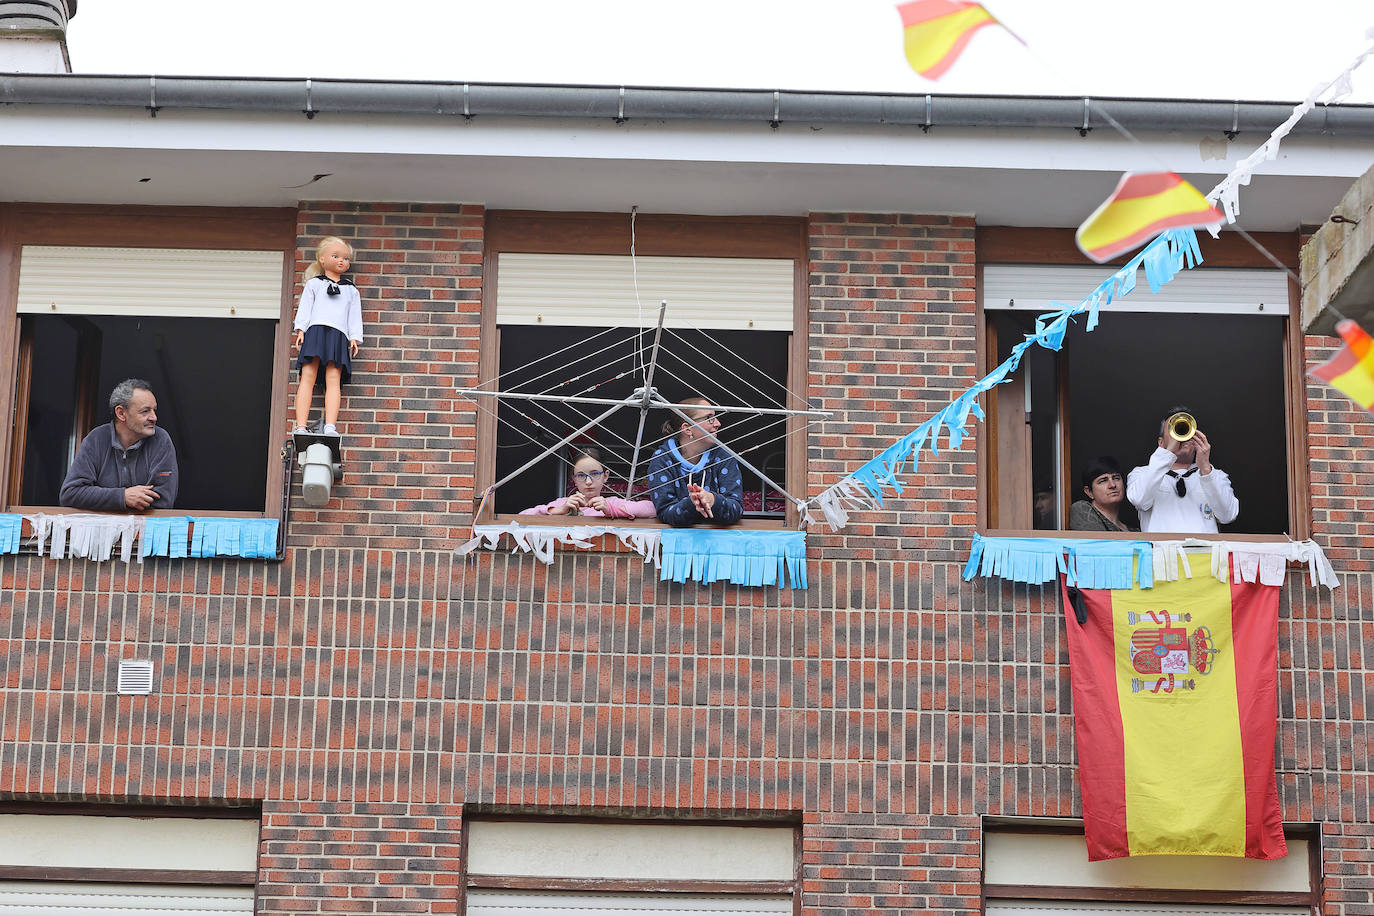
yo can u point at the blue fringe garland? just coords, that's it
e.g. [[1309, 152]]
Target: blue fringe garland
[[165, 537], [742, 557], [251, 538], [1170, 252], [1084, 563], [10, 528]]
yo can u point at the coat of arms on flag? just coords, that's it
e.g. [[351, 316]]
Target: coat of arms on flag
[[1175, 707]]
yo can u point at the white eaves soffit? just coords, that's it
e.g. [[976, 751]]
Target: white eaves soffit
[[1000, 176]]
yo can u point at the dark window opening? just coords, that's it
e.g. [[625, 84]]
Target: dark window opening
[[1105, 393], [727, 367], [212, 378]]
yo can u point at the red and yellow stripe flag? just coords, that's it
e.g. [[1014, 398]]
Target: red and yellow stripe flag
[[937, 31], [1351, 370], [1175, 705], [1142, 206]]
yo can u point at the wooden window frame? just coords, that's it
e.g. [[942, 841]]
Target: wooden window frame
[[1016, 245], [540, 232], [1312, 898], [467, 880], [264, 229]]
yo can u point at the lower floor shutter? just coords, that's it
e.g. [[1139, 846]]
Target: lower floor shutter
[[45, 898], [484, 902], [1053, 907]]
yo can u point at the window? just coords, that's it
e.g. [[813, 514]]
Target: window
[[1217, 339], [1035, 868], [531, 868], [193, 302], [561, 316], [127, 860]]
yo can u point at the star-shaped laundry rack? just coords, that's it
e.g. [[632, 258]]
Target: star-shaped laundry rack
[[644, 399]]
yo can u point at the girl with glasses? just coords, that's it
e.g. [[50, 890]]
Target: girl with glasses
[[589, 476]]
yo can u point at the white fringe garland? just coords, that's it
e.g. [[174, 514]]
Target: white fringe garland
[[540, 539]]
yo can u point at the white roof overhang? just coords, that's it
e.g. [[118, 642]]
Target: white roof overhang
[[1000, 175]]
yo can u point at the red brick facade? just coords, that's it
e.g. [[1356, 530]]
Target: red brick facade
[[372, 690]]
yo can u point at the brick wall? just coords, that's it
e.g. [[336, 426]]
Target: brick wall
[[372, 691], [409, 454], [893, 340]]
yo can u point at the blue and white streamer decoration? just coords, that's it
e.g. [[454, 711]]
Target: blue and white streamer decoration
[[251, 538], [11, 527], [1084, 562], [1112, 563], [165, 536], [733, 555], [1162, 259]]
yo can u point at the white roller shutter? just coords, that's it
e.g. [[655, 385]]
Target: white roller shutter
[[1036, 288], [46, 898], [1050, 907], [150, 282], [599, 291], [551, 903]]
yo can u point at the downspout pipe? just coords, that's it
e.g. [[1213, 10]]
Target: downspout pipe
[[506, 100]]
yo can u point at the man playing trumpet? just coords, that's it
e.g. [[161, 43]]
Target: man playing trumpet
[[1179, 490]]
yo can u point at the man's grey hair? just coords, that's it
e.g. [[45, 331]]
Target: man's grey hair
[[124, 392]]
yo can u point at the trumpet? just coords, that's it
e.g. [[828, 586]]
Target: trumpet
[[1181, 426]]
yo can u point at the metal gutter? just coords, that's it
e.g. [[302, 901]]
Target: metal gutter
[[328, 96]]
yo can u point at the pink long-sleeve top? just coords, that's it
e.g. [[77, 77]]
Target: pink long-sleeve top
[[615, 508]]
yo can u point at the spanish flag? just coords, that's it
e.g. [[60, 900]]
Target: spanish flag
[[1142, 206], [1175, 705], [938, 30], [1351, 370]]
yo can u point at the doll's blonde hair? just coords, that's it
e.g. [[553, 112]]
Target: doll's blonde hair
[[316, 269]]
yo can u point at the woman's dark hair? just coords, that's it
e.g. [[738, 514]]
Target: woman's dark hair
[[674, 422], [1104, 464]]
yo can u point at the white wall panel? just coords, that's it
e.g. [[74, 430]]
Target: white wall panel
[[90, 841], [1045, 860], [630, 851]]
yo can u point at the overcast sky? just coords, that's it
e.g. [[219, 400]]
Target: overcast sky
[[1216, 49]]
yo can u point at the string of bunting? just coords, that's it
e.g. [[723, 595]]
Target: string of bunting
[[1162, 259], [1173, 250]]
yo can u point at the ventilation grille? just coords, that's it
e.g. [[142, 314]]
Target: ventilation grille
[[135, 677]]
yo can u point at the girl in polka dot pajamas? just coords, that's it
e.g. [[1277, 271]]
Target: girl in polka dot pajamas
[[692, 477]]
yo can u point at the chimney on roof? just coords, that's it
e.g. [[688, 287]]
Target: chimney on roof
[[33, 36]]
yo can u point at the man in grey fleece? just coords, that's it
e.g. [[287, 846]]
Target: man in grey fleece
[[127, 464]]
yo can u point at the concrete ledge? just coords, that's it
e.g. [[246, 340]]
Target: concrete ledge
[[1337, 263]]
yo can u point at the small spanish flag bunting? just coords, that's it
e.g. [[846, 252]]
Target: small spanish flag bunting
[[1351, 370], [938, 30], [1142, 206]]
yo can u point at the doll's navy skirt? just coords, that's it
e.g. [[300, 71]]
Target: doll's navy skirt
[[328, 345]]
